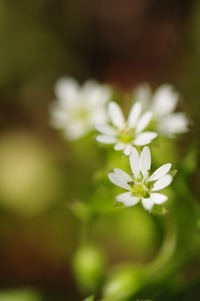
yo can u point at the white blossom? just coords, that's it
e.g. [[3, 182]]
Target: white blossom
[[163, 104], [77, 107], [125, 133], [141, 185]]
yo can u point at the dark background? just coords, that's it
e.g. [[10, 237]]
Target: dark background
[[119, 42]]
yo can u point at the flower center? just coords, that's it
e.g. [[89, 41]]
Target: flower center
[[126, 135], [139, 189], [81, 114]]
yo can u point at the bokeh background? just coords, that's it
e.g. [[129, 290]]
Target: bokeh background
[[122, 43]]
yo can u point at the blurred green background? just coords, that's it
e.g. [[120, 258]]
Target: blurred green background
[[119, 42]]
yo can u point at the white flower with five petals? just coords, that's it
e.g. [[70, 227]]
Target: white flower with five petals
[[78, 107], [163, 103], [140, 184], [126, 133]]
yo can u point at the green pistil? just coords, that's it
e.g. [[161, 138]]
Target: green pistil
[[139, 189], [126, 135]]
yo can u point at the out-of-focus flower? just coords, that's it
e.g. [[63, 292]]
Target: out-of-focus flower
[[125, 133], [140, 184], [78, 107], [163, 104]]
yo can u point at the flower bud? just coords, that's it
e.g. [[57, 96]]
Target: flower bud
[[88, 267], [123, 283]]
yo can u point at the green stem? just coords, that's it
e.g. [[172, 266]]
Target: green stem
[[166, 251]]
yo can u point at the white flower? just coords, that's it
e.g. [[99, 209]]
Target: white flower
[[163, 104], [125, 133], [78, 107], [140, 184]]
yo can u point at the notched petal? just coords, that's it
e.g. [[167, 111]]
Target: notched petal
[[123, 174], [145, 161], [147, 203], [144, 121], [127, 199], [106, 139], [134, 160], [134, 114], [162, 183], [158, 198], [105, 129], [118, 180], [160, 172], [116, 114], [145, 138]]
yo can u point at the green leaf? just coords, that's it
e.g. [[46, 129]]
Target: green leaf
[[173, 172], [160, 210]]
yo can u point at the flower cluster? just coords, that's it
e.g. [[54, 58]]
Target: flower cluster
[[80, 109], [140, 184], [150, 115]]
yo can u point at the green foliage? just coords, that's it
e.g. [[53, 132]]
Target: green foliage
[[19, 295]]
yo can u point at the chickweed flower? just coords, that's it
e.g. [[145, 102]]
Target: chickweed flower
[[141, 185], [125, 133], [78, 107], [163, 104]]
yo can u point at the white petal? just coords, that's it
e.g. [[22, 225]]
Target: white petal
[[106, 139], [123, 174], [75, 131], [134, 114], [88, 89], [134, 160], [127, 199], [145, 138], [96, 94], [147, 203], [142, 94], [127, 149], [162, 183], [164, 100], [59, 118], [116, 114], [144, 121], [118, 180], [160, 172], [176, 123], [105, 129], [158, 198], [145, 161], [67, 90], [119, 146], [98, 115]]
